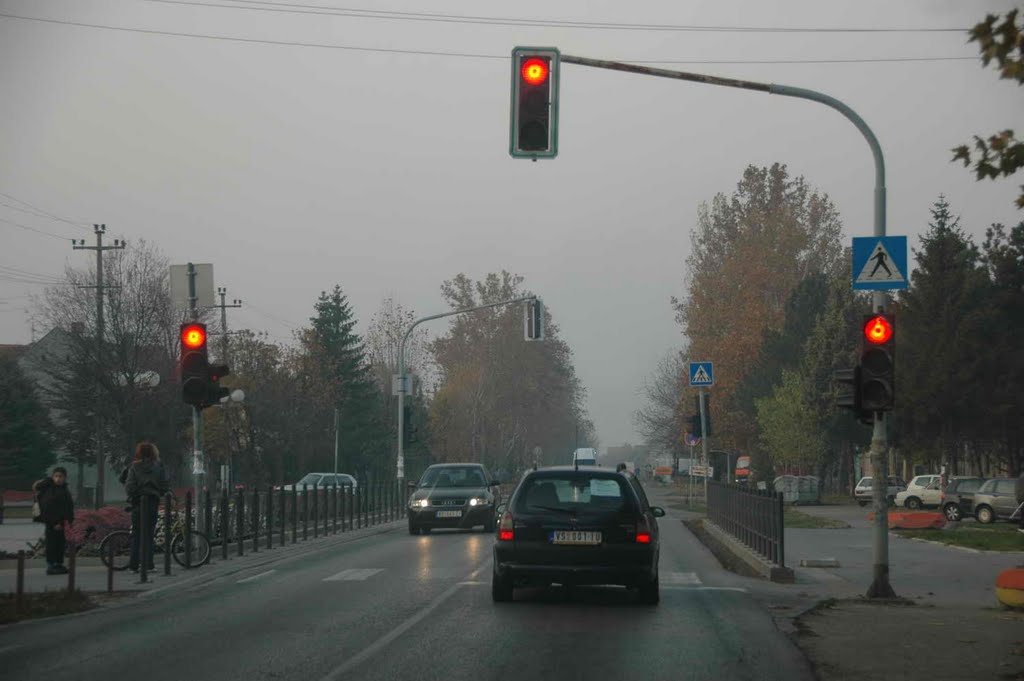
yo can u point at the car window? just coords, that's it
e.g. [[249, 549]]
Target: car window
[[1005, 486], [640, 492], [987, 487], [575, 492], [864, 482], [453, 476], [968, 485], [309, 479]]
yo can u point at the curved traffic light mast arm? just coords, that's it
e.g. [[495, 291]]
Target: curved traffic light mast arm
[[880, 586], [401, 364]]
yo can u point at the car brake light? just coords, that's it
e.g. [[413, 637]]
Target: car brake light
[[505, 531], [643, 531]]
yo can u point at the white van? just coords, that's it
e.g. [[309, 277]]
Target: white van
[[584, 456]]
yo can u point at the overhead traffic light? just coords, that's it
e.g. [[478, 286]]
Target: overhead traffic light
[[200, 380], [877, 363], [534, 116], [194, 363], [533, 320]]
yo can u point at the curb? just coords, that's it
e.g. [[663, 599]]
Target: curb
[[759, 565]]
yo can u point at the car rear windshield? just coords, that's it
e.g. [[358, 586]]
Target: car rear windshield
[[573, 492], [454, 476]]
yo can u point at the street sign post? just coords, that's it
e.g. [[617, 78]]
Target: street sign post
[[691, 440], [879, 263]]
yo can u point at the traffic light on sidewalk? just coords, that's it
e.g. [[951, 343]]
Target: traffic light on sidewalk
[[194, 363], [877, 363], [534, 117]]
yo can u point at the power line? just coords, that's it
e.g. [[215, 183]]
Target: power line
[[266, 314], [7, 269], [363, 13], [43, 213], [465, 55], [33, 229]]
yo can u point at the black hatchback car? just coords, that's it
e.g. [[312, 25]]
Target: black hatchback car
[[453, 495], [586, 525]]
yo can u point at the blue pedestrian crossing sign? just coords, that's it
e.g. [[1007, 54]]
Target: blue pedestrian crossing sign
[[879, 263], [702, 373]]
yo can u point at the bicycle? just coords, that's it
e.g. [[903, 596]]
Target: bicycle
[[119, 545]]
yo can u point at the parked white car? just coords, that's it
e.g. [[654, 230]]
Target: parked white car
[[323, 480], [923, 491]]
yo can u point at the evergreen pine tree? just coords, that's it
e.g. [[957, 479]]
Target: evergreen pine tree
[[26, 445]]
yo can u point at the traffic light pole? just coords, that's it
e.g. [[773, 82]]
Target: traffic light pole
[[400, 465], [880, 587], [197, 412], [704, 441]]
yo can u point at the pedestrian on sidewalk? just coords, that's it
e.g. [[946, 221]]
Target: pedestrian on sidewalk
[[146, 478], [56, 511]]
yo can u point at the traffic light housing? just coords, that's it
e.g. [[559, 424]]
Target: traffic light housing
[[533, 320], [194, 363], [200, 380], [877, 363], [408, 432], [534, 117], [695, 425]]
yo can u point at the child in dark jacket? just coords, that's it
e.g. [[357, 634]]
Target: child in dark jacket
[[56, 510]]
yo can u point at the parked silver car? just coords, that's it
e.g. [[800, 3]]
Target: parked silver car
[[996, 499]]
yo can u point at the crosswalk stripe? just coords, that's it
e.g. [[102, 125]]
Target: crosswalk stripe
[[680, 578], [354, 575], [255, 577]]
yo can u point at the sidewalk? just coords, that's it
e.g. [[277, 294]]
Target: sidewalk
[[92, 578]]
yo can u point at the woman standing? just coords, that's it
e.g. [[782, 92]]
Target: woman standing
[[146, 478]]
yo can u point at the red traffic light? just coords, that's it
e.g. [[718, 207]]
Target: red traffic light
[[193, 336], [534, 71], [878, 330]]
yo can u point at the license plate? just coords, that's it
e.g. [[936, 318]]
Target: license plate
[[449, 514], [576, 538]]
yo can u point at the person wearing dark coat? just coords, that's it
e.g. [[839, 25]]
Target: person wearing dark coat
[[146, 478], [56, 510]]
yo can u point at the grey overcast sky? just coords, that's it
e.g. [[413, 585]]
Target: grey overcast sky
[[292, 168]]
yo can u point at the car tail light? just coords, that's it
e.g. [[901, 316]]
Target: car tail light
[[505, 531], [643, 531]]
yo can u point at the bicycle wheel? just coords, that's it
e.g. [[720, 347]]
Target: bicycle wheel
[[200, 549], [120, 542]]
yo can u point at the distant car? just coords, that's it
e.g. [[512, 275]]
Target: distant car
[[923, 490], [996, 499], [958, 497], [584, 456], [862, 492], [453, 495], [322, 481], [586, 525]]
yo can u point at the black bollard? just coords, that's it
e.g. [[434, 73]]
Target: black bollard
[[255, 520], [167, 534], [270, 516], [316, 511], [207, 519], [188, 529], [19, 589], [240, 521], [225, 523], [295, 514], [305, 511], [283, 503], [143, 538]]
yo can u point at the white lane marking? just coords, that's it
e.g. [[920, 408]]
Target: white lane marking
[[255, 577], [476, 583], [680, 578], [354, 575], [387, 638]]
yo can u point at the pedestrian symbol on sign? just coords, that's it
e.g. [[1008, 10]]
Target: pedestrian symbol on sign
[[702, 374]]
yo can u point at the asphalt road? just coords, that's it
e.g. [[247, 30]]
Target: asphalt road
[[394, 606]]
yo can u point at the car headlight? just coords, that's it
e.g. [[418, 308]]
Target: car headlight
[[420, 503], [478, 501]]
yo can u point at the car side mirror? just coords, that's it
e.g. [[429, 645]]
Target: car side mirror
[[657, 511], [411, 485], [501, 508]]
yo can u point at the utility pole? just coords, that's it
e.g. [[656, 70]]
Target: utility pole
[[198, 469], [336, 439], [79, 245], [222, 292]]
